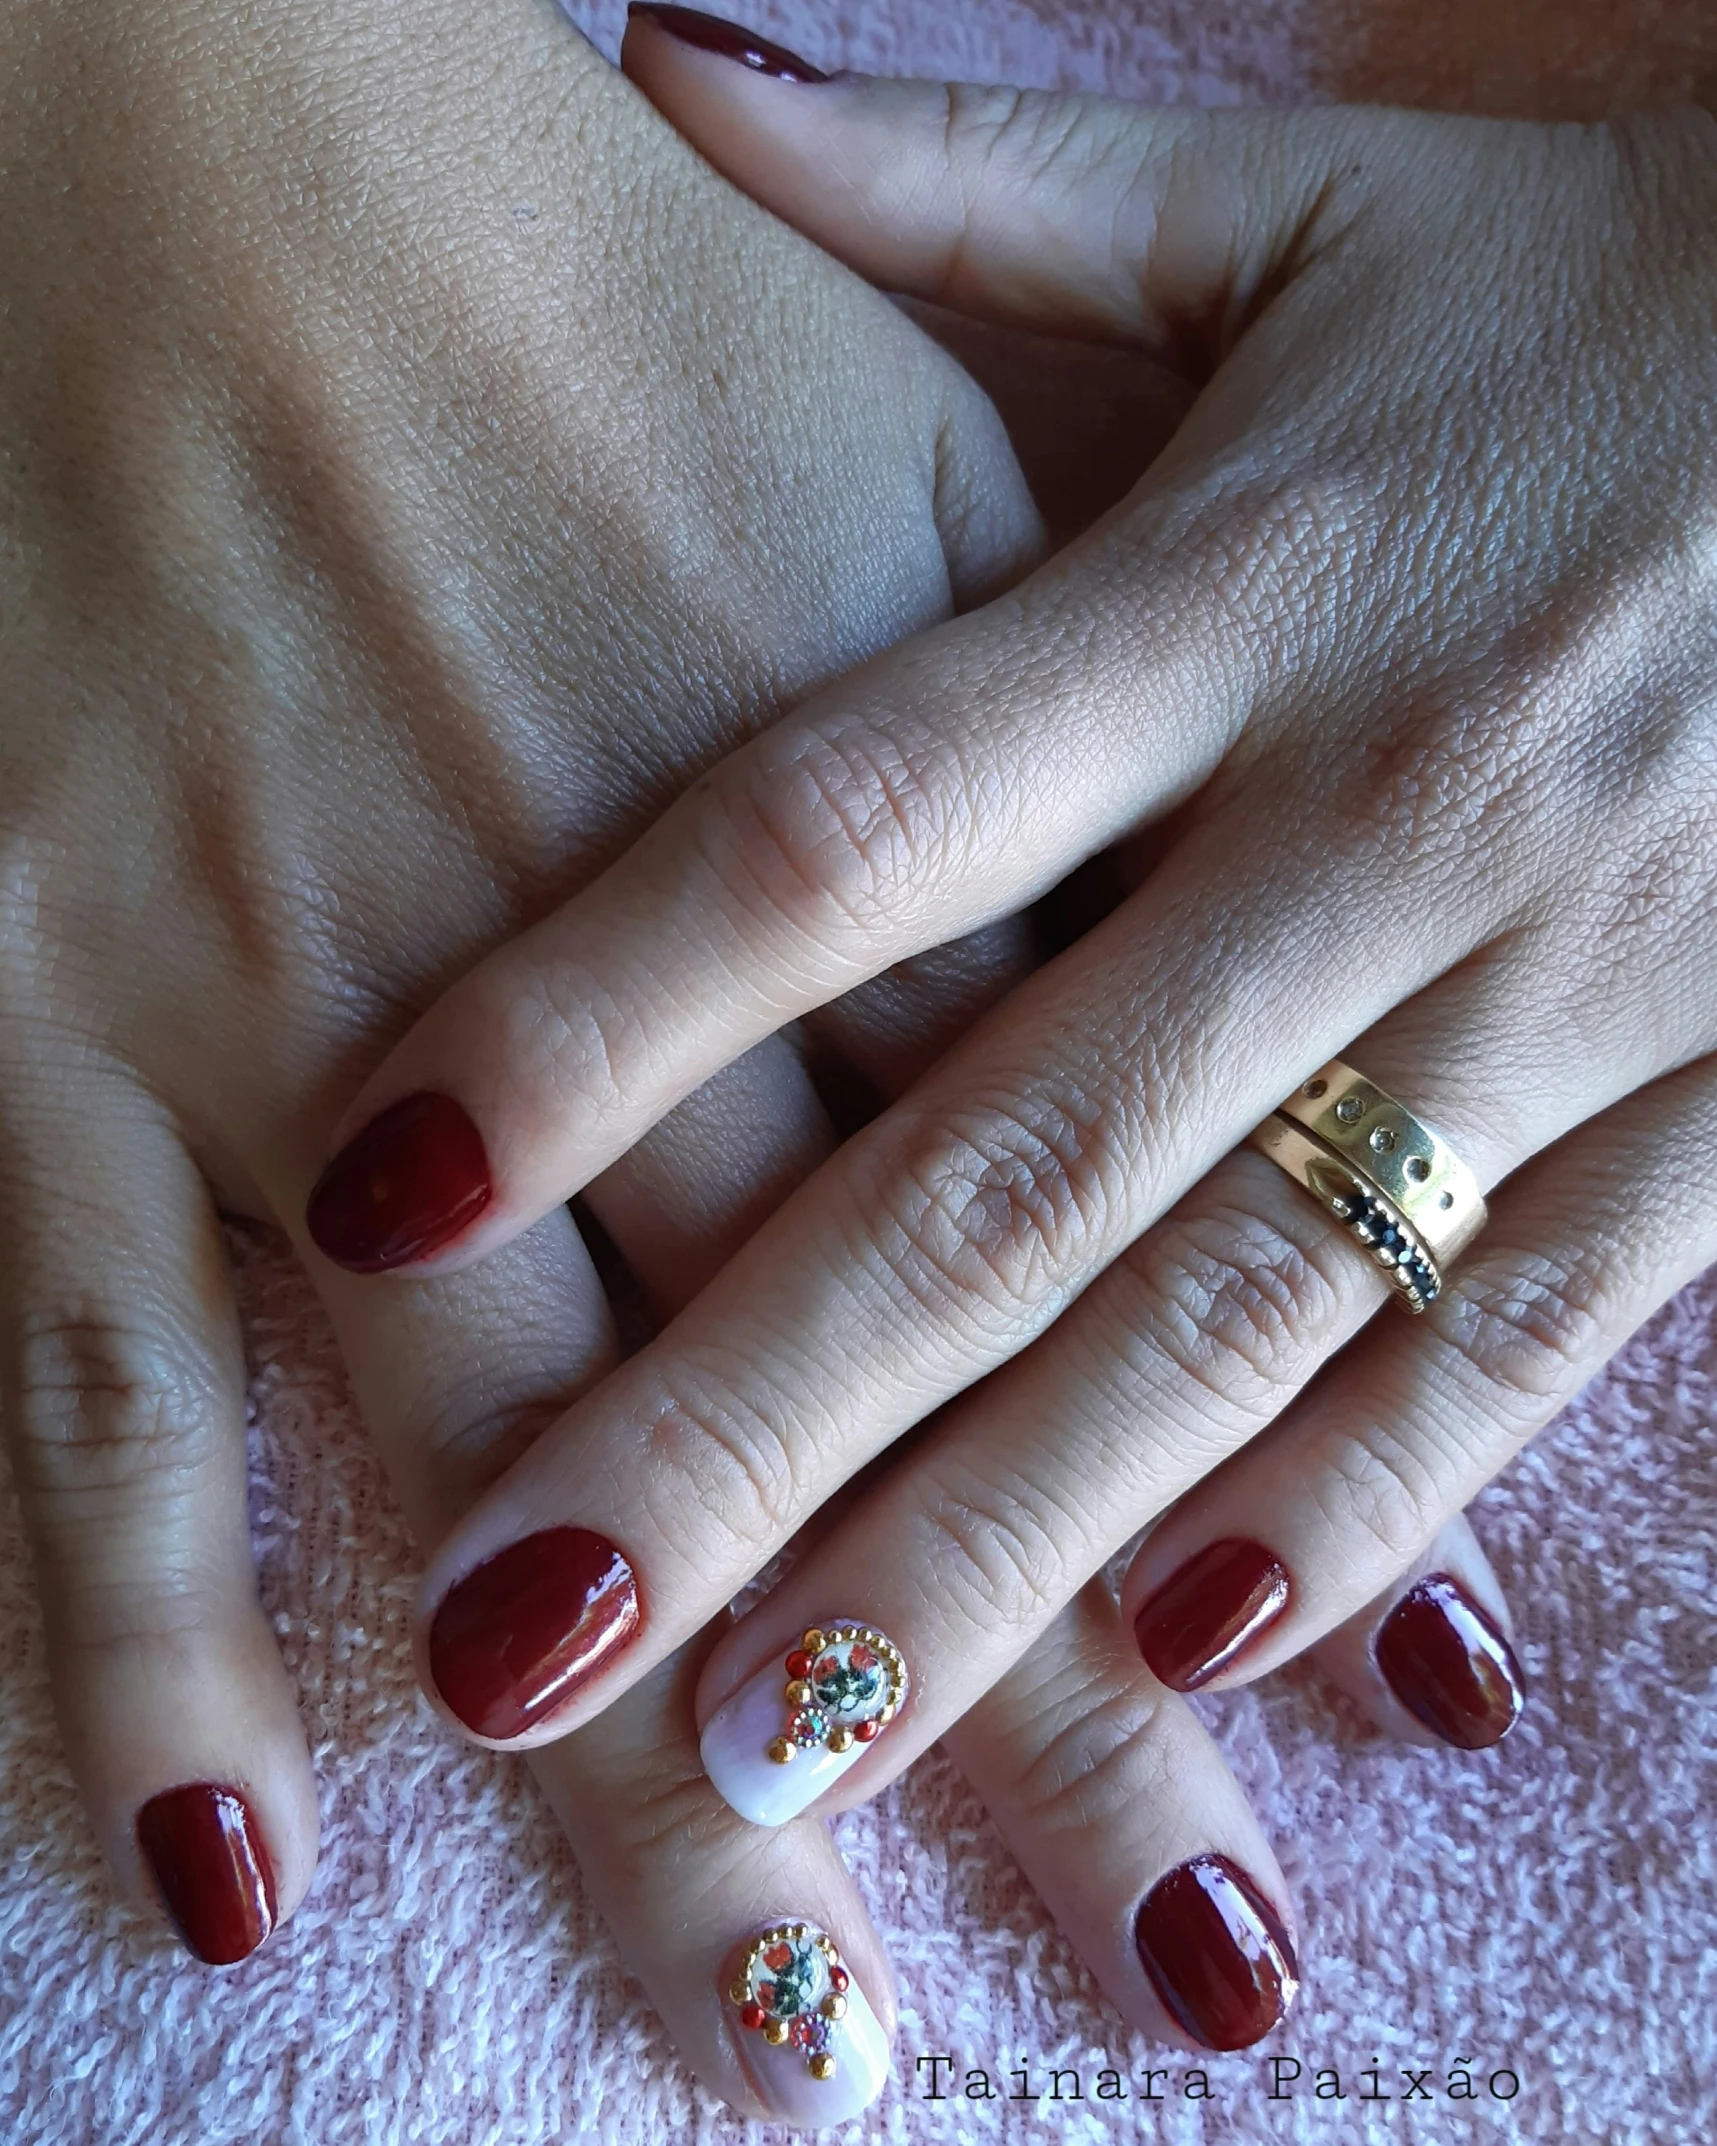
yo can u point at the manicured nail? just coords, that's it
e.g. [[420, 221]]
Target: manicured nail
[[1198, 1621], [206, 1849], [1216, 1952], [527, 1631], [404, 1187], [812, 2046], [789, 1734], [1449, 1666], [710, 34]]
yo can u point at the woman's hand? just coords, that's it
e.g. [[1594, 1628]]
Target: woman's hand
[[1403, 651], [416, 468]]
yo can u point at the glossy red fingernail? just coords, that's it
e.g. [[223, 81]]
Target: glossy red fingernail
[[206, 1849], [522, 1634], [1449, 1666], [710, 34], [1216, 1604], [402, 1188], [1216, 1952]]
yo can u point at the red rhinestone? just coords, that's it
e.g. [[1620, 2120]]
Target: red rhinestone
[[752, 2016], [798, 1663], [837, 1978], [867, 1732]]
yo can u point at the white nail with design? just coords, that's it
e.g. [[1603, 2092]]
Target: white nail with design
[[789, 1734], [814, 2049]]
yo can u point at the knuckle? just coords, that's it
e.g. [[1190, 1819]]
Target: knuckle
[[655, 1819], [711, 1452], [1386, 1485], [467, 1429], [836, 826], [561, 1029], [999, 1550], [994, 1209], [1533, 1329], [1236, 1302], [1098, 1766], [103, 1413]]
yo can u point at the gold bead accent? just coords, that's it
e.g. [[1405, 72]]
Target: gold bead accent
[[840, 1740], [781, 1751], [822, 2065], [775, 2032], [799, 1930], [834, 2006], [798, 1693], [740, 1992], [815, 1640]]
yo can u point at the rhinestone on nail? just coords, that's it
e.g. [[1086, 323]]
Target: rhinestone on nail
[[791, 1988], [845, 1683]]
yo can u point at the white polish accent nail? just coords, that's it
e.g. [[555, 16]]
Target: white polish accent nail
[[835, 1692], [794, 1977]]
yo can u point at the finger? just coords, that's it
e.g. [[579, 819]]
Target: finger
[[687, 1888], [1353, 1483], [942, 787], [681, 1202], [1187, 1348], [457, 1375], [122, 1378], [1431, 1659], [887, 1031], [1034, 207], [1130, 1825], [930, 1249]]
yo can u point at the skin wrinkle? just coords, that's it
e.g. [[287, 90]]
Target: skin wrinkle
[[1280, 549], [1085, 1773]]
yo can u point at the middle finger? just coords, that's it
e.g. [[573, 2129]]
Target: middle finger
[[946, 1237]]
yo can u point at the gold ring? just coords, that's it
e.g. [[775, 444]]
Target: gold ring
[[1401, 1191]]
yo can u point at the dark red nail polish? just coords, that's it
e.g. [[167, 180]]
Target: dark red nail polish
[[1216, 1952], [710, 34], [404, 1187], [210, 1860], [1449, 1666], [518, 1637], [1216, 1604]]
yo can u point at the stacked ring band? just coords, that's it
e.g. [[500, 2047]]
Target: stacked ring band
[[1400, 1190]]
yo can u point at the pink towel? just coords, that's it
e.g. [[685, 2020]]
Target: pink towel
[[1540, 1915]]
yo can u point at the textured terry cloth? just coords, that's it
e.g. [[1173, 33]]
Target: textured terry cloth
[[1546, 1907]]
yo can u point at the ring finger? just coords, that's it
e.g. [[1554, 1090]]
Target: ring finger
[[1186, 1349]]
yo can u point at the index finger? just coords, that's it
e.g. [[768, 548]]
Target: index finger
[[949, 783], [942, 786]]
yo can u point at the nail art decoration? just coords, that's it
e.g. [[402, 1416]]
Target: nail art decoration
[[844, 1686], [792, 1989]]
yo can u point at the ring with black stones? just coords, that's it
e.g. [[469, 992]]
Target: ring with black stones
[[1398, 1188]]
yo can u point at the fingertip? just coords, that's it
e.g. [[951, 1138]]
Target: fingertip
[[1431, 1660]]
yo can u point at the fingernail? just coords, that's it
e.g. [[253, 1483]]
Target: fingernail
[[206, 1849], [527, 1631], [1449, 1666], [404, 1187], [1216, 1952], [809, 2041], [710, 34], [803, 1721], [1198, 1621]]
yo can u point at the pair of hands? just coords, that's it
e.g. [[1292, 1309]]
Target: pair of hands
[[407, 512]]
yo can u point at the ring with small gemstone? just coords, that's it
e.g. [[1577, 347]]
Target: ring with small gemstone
[[1398, 1188]]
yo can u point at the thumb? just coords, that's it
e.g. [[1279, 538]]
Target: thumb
[[1073, 214]]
